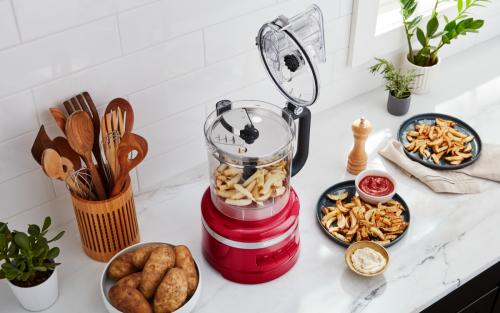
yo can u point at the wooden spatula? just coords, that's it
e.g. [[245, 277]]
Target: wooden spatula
[[42, 142], [55, 166], [60, 119], [80, 133], [124, 106], [67, 152], [129, 142]]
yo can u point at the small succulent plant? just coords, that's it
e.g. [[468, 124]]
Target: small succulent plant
[[24, 254]]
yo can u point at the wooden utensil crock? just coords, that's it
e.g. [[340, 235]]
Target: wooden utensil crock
[[109, 226], [358, 159]]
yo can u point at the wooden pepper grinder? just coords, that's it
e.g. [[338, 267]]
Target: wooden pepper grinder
[[357, 158]]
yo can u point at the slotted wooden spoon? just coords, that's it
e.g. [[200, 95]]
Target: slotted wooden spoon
[[129, 142], [81, 138]]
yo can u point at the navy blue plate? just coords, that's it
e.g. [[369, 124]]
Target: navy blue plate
[[430, 119], [350, 187]]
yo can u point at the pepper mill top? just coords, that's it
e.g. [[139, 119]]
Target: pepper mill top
[[357, 158]]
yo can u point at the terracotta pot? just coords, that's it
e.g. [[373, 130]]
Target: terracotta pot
[[39, 297], [424, 83]]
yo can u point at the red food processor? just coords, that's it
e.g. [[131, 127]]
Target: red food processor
[[250, 225]]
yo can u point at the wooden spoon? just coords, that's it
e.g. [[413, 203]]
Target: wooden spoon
[[60, 119], [80, 133], [124, 106], [67, 152], [42, 142], [129, 142], [55, 166]]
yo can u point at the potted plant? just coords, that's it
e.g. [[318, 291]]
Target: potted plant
[[399, 86], [426, 61], [30, 266]]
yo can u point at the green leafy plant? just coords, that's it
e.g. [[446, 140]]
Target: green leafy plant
[[397, 84], [460, 25], [26, 254]]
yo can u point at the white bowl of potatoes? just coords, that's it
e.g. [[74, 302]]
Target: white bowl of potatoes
[[151, 277]]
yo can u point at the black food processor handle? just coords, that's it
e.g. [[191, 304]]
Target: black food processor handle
[[304, 125]]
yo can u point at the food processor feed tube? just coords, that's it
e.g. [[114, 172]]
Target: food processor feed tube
[[250, 212]]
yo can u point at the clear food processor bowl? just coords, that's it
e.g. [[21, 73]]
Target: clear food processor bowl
[[250, 179]]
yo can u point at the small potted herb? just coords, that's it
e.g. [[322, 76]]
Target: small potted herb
[[399, 86], [30, 266], [426, 61]]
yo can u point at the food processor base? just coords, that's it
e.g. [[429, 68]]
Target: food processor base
[[271, 257]]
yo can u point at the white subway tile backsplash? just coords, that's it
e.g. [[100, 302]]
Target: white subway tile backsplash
[[174, 131], [196, 88], [17, 115], [135, 182], [236, 36], [16, 158], [8, 29], [171, 163], [59, 187], [124, 76], [24, 192], [167, 19], [38, 18], [326, 70], [337, 34], [49, 58], [346, 7]]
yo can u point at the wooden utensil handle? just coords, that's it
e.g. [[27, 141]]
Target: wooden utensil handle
[[118, 185], [82, 186], [101, 193]]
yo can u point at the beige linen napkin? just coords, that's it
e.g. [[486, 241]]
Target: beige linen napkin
[[456, 181]]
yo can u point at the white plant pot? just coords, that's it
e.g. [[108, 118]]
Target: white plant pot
[[40, 297], [424, 83]]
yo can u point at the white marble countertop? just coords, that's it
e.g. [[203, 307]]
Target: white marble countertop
[[444, 248]]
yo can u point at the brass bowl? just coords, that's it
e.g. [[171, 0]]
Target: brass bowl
[[366, 244]]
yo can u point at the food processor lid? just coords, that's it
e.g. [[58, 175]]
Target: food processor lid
[[290, 49], [251, 133]]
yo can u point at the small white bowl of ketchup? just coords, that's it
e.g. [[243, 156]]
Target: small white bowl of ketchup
[[375, 186]]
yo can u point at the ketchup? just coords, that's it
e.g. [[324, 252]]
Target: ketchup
[[376, 186]]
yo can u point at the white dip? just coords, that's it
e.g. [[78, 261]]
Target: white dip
[[368, 261]]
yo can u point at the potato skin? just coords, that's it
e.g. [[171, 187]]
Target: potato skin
[[162, 258], [122, 267], [141, 256], [184, 260], [132, 280], [128, 299], [172, 292]]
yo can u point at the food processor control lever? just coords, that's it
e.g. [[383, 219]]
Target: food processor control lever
[[304, 117]]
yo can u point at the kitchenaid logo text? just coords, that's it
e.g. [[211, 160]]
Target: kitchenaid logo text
[[272, 242]]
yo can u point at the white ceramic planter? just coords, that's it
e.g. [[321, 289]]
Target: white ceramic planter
[[424, 83], [40, 297]]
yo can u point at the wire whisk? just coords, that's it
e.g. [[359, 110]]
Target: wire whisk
[[80, 183], [109, 153]]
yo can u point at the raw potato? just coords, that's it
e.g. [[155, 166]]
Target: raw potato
[[172, 292], [128, 299], [162, 258], [131, 280], [122, 267], [184, 260], [141, 256]]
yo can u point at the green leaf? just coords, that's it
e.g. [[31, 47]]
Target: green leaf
[[476, 24], [34, 230], [411, 8], [451, 25], [468, 30], [9, 268], [426, 55], [436, 35], [409, 35], [22, 240], [22, 267], [477, 5], [446, 39], [421, 37], [445, 19], [46, 224], [11, 276], [453, 34], [36, 253], [2, 274], [432, 47], [414, 22], [461, 17], [3, 242], [40, 268], [53, 253], [51, 264], [26, 276], [4, 229], [40, 244], [432, 26], [58, 236], [460, 5], [467, 3]]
